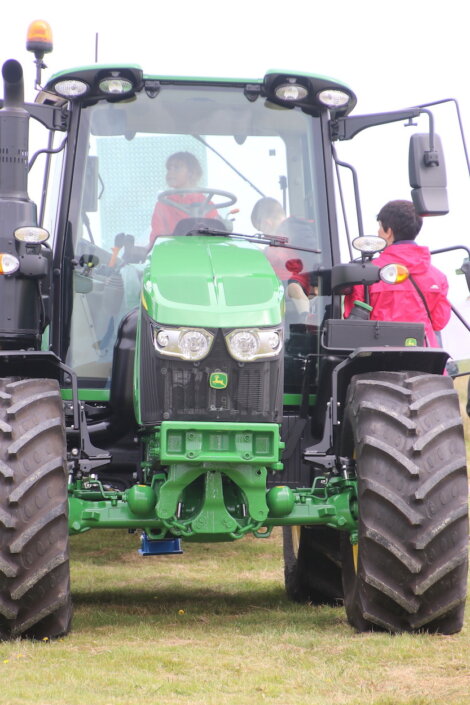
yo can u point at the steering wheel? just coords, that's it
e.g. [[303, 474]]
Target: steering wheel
[[199, 208]]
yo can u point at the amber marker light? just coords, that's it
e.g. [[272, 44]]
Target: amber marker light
[[9, 264], [39, 37], [394, 274]]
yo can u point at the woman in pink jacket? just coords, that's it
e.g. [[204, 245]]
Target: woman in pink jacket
[[423, 296]]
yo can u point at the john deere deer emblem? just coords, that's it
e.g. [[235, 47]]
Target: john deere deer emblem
[[218, 380]]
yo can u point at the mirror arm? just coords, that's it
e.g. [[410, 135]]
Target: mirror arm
[[431, 157], [345, 128], [459, 118]]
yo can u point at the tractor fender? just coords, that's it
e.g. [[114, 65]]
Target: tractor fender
[[376, 359]]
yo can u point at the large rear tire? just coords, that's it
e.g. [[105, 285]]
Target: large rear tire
[[34, 550], [409, 569], [312, 565]]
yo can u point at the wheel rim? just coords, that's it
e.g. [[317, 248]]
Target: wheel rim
[[355, 555], [295, 533]]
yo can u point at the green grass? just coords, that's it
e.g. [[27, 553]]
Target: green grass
[[213, 626]]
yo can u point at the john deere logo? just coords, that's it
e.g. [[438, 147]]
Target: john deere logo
[[218, 380], [411, 342]]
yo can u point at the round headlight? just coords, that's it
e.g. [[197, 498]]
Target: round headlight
[[244, 345], [71, 88], [249, 344], [163, 338], [274, 340], [193, 344], [184, 343], [115, 86], [333, 98]]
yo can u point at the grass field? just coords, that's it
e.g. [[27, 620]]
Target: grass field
[[213, 626]]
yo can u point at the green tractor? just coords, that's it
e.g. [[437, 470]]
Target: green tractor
[[177, 389]]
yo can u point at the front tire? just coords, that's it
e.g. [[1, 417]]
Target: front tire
[[34, 550], [409, 569], [312, 565]]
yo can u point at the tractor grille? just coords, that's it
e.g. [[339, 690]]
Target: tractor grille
[[173, 389]]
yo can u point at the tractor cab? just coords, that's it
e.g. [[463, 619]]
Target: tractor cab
[[257, 169]]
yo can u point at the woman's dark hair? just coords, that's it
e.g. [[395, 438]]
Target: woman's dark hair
[[190, 161], [401, 216]]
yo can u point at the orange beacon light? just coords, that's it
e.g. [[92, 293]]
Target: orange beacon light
[[39, 38]]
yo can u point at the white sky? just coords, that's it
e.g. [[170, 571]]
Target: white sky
[[392, 54]]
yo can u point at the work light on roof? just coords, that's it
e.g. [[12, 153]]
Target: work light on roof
[[115, 85], [71, 88], [291, 91], [333, 98]]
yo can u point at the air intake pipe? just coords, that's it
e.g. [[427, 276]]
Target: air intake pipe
[[22, 316]]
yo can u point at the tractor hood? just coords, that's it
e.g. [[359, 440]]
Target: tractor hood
[[211, 281]]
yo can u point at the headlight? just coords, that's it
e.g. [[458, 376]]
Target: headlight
[[185, 343], [291, 91], [115, 85], [248, 344], [368, 244], [31, 233], [71, 88], [333, 98]]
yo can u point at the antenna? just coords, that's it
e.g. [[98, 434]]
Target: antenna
[[96, 47]]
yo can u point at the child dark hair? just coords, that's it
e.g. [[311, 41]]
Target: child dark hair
[[402, 218]]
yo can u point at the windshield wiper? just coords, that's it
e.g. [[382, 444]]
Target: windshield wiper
[[261, 239]]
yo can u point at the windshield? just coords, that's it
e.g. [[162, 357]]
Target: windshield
[[145, 165]]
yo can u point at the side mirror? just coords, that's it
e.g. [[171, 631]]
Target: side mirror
[[427, 172]]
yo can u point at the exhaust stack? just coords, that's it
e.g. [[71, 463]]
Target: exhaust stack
[[14, 137]]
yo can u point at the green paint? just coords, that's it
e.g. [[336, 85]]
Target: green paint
[[211, 282], [212, 503], [296, 399], [87, 394], [141, 499], [204, 442], [281, 501]]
